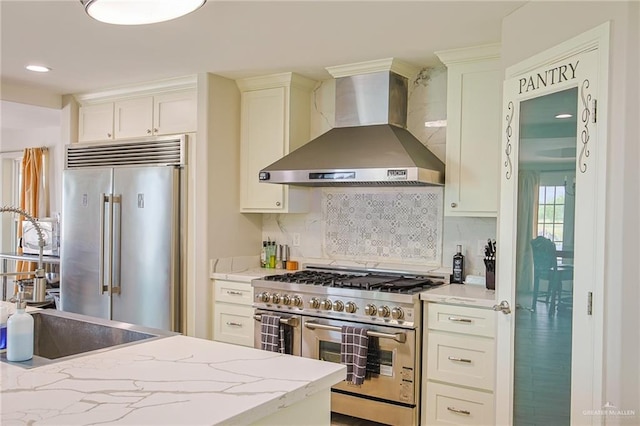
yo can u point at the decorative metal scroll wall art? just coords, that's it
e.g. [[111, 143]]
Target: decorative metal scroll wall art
[[584, 118], [509, 133]]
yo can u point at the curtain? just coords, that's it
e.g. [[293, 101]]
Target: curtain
[[528, 184], [34, 194]]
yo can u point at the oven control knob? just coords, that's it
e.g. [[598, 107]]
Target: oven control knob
[[286, 300], [338, 306], [397, 313], [370, 310], [383, 311], [326, 304], [275, 298], [297, 301], [351, 307], [314, 303], [264, 297]]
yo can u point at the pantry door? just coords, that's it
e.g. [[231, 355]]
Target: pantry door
[[550, 349]]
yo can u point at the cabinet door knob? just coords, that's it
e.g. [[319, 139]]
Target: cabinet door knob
[[108, 135], [155, 130], [278, 203], [148, 131], [454, 205]]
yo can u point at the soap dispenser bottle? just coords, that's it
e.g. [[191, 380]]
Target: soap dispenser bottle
[[20, 333]]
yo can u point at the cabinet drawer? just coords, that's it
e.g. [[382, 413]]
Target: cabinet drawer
[[233, 324], [448, 405], [463, 360], [459, 319], [233, 292]]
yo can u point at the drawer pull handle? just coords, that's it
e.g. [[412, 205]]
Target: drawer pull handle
[[234, 324], [453, 358], [234, 293], [455, 319], [455, 410]]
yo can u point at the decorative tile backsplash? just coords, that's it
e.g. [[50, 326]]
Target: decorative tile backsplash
[[383, 225]]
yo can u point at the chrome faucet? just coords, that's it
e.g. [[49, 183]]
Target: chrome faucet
[[40, 283]]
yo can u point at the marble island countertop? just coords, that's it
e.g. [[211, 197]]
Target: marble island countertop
[[175, 380]]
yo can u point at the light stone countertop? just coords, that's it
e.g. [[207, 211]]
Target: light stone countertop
[[461, 294], [175, 380]]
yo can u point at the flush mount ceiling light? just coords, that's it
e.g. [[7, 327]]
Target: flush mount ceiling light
[[139, 12], [38, 68]]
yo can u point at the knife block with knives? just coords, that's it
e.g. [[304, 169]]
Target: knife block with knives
[[490, 264]]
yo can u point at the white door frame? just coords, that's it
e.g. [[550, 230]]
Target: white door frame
[[591, 78]]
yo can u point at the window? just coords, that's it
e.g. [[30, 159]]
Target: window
[[551, 201]]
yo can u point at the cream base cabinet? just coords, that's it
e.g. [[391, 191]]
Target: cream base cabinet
[[474, 100], [458, 365], [275, 116], [233, 320], [95, 122]]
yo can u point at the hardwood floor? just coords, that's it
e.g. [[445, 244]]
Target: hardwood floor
[[542, 394]]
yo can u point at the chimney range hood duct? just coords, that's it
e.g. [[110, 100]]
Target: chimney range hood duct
[[369, 146]]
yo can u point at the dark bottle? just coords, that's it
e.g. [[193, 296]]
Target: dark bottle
[[458, 266]]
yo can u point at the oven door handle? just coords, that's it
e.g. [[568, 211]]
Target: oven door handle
[[293, 321], [398, 337]]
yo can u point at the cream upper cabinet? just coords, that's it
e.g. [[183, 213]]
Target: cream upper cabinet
[[95, 122], [161, 108], [275, 115], [133, 117], [474, 94], [156, 115], [175, 113]]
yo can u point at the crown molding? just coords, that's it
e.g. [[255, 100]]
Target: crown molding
[[379, 65], [270, 81], [134, 91], [469, 54]]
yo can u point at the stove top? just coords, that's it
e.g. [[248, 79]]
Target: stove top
[[368, 281]]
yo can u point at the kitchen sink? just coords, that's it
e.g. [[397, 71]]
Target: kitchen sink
[[59, 336]]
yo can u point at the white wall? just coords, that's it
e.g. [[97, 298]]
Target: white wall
[[536, 27]]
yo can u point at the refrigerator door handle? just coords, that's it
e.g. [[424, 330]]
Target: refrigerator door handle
[[110, 245], [116, 249], [102, 287]]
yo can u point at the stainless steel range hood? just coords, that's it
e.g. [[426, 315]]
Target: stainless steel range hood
[[369, 146]]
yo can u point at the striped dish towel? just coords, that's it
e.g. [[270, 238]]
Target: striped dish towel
[[353, 353], [272, 334]]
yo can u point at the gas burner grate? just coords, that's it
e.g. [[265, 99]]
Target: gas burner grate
[[369, 281]]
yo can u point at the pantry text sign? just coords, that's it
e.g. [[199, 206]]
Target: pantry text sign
[[549, 77]]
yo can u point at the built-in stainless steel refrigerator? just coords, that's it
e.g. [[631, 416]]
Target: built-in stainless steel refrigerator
[[120, 233]]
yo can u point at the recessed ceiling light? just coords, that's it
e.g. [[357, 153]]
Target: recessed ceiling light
[[139, 12], [564, 116], [38, 68]]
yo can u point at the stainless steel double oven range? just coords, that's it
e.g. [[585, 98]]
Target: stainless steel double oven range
[[317, 301]]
